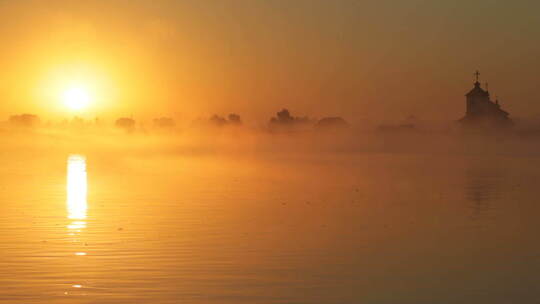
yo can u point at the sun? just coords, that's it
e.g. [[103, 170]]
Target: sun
[[76, 98]]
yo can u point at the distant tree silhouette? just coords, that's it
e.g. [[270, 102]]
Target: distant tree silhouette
[[218, 121], [125, 123], [24, 120], [234, 119], [332, 123], [284, 116], [164, 122], [285, 119]]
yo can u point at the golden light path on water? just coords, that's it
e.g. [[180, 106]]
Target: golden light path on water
[[76, 190], [77, 205]]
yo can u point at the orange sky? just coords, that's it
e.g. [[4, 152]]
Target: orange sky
[[374, 60]]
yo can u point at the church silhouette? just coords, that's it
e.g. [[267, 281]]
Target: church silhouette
[[482, 111]]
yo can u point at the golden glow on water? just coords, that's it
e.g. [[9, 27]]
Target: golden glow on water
[[76, 191], [77, 205], [163, 228]]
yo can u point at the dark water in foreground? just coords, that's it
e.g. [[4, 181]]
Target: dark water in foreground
[[365, 228]]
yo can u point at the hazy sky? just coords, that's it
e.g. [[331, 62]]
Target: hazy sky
[[374, 60]]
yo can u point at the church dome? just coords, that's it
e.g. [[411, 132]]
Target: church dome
[[477, 90]]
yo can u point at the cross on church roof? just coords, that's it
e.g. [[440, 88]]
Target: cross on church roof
[[477, 74]]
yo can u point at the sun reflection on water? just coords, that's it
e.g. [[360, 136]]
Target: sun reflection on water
[[76, 191], [77, 204]]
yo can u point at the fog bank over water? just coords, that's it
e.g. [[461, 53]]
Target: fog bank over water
[[204, 140]]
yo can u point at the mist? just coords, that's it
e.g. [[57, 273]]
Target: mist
[[218, 136]]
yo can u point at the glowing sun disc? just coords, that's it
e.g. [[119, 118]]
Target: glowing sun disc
[[76, 98]]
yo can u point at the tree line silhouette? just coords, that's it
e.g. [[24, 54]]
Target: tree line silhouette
[[282, 121]]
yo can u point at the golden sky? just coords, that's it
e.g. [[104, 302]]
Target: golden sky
[[375, 60]]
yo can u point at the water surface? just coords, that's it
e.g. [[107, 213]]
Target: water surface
[[310, 228]]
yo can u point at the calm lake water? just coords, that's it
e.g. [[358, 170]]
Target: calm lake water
[[312, 228]]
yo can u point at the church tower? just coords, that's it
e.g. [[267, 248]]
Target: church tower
[[480, 110]]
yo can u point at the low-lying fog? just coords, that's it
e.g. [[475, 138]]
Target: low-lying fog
[[205, 139]]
